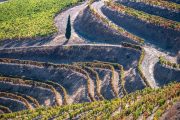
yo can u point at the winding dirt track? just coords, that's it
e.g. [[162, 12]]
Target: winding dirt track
[[151, 53], [57, 39], [150, 60], [60, 22], [151, 57]]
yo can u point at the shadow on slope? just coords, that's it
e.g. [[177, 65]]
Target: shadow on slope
[[154, 10], [175, 1], [13, 105], [25, 42], [164, 75], [93, 29], [74, 53], [74, 83], [43, 96], [163, 38], [77, 53]]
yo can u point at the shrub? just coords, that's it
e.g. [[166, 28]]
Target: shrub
[[164, 62]]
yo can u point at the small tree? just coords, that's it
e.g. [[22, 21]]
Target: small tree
[[68, 28]]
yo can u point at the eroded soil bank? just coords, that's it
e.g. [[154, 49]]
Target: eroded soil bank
[[13, 105], [74, 83], [153, 10], [163, 38], [68, 54], [93, 29], [43, 96], [164, 75]]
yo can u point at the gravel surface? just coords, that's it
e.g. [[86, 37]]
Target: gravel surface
[[61, 22], [150, 60], [151, 53], [151, 56]]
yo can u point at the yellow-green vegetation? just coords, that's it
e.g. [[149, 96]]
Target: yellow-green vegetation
[[5, 109], [139, 48], [140, 103], [98, 81], [16, 97], [122, 75], [159, 21], [167, 63], [121, 30], [44, 64], [161, 3], [30, 18], [18, 81], [104, 66]]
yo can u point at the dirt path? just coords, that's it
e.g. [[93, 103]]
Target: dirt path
[[58, 38], [152, 54], [97, 6], [61, 22], [151, 58], [148, 64]]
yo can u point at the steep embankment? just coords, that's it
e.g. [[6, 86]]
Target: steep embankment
[[163, 9], [86, 53], [158, 35], [151, 51], [164, 75], [153, 103]]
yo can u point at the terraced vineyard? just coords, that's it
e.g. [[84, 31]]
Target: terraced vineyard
[[121, 61]]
